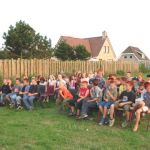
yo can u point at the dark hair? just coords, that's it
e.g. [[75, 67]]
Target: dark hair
[[42, 79], [18, 79], [147, 84], [95, 82], [130, 83], [26, 80]]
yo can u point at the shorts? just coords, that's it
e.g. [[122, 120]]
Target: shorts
[[145, 109], [126, 107], [105, 104]]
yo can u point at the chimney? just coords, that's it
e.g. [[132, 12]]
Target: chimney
[[104, 34]]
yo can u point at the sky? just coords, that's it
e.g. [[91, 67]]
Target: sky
[[127, 22]]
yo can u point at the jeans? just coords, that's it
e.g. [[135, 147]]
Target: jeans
[[2, 98], [18, 100], [13, 97], [86, 105], [28, 101]]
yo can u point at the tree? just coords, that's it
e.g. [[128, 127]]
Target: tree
[[64, 51], [22, 40], [81, 52]]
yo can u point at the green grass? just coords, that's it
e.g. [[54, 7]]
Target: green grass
[[47, 129]]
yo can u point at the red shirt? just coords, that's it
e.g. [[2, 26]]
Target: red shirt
[[82, 91]]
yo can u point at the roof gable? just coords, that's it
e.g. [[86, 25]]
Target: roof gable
[[136, 51], [93, 45]]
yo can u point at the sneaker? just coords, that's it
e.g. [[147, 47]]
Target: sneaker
[[111, 122], [106, 122], [71, 114], [102, 122], [125, 124], [83, 116], [19, 107], [11, 105]]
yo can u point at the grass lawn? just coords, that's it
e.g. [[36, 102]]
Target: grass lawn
[[47, 129]]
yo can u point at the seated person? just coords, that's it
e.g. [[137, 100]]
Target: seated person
[[83, 94], [110, 96], [5, 90], [140, 93], [42, 90], [95, 97], [144, 106], [32, 94], [15, 91], [126, 99], [66, 97], [23, 93]]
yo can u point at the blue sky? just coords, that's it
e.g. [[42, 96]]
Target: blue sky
[[126, 21]]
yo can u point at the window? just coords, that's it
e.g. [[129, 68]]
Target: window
[[108, 49], [125, 57], [131, 57], [105, 49]]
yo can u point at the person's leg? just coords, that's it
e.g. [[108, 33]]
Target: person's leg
[[112, 108], [71, 104], [105, 112], [84, 107], [138, 116], [2, 98], [79, 105], [18, 101], [13, 97], [101, 106], [112, 120], [31, 99], [25, 101], [127, 115]]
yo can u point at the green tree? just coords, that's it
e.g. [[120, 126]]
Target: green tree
[[81, 53], [64, 51], [23, 41]]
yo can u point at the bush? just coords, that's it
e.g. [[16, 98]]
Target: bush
[[143, 68], [120, 72], [1, 79]]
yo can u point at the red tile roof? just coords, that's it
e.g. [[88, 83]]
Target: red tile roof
[[93, 45]]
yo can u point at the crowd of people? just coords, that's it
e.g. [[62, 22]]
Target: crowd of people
[[83, 93]]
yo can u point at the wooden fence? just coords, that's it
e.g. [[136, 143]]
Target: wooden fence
[[23, 67]]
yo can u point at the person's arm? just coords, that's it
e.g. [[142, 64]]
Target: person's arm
[[113, 97], [83, 97]]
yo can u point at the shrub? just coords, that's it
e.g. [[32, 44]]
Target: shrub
[[120, 72], [143, 68], [1, 79]]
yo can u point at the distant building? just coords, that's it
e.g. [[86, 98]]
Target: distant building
[[133, 54], [99, 47]]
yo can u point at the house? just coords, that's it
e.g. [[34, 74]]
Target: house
[[99, 47], [133, 54]]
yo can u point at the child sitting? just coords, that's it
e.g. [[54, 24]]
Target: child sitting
[[144, 106], [127, 98], [95, 96], [110, 96], [66, 96], [82, 95]]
